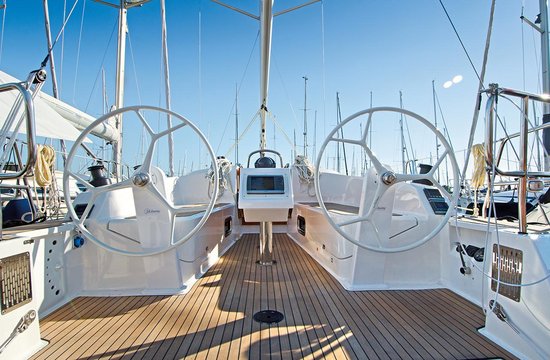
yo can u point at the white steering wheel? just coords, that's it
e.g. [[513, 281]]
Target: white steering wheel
[[384, 178], [143, 189]]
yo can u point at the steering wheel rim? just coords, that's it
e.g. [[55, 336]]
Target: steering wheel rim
[[128, 183], [382, 171]]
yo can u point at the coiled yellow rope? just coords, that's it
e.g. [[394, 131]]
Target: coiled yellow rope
[[43, 172], [478, 177]]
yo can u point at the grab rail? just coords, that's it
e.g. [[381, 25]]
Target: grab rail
[[494, 92], [25, 97]]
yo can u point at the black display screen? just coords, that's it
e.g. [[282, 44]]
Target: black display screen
[[265, 184]]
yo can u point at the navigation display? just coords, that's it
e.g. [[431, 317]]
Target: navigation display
[[265, 184]]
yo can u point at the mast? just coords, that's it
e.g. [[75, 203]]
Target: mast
[[266, 26], [435, 124], [341, 135], [122, 6], [236, 124], [119, 87], [315, 136], [370, 134], [52, 68], [294, 146], [167, 88], [305, 114], [266, 22], [545, 78], [105, 105], [403, 146], [338, 123]]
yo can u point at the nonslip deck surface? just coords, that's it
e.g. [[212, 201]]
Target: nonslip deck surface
[[322, 320]]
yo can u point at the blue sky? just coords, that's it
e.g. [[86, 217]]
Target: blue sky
[[381, 47]]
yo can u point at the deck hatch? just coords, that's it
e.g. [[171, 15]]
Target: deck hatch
[[511, 268], [15, 282]]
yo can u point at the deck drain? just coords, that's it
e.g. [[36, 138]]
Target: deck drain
[[268, 316]]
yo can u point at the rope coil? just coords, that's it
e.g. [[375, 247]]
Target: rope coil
[[478, 177], [45, 159], [224, 167]]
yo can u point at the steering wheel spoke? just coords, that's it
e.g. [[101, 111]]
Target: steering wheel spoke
[[81, 179], [355, 220], [170, 130], [112, 187], [438, 162], [410, 177], [443, 191]]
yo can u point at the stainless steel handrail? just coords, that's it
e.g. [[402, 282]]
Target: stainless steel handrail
[[263, 151], [26, 97], [522, 174]]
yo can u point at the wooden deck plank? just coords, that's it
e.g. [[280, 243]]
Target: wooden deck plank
[[328, 343], [464, 323], [290, 344], [159, 349], [429, 343], [372, 340], [208, 346], [246, 282], [73, 311], [191, 327], [338, 322], [301, 317], [322, 320], [80, 323], [95, 330], [237, 266], [116, 329], [122, 344], [212, 344]]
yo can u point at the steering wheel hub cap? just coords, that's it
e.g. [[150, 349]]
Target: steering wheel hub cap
[[141, 179], [388, 177]]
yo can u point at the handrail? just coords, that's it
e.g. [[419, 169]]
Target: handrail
[[261, 152], [522, 174], [494, 91], [26, 97]]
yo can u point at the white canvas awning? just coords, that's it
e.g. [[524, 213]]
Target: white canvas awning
[[54, 118]]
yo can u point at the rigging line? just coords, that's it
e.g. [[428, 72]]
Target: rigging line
[[280, 128], [200, 75], [410, 140], [102, 63], [45, 61], [522, 48], [323, 67], [480, 86], [5, 7], [77, 52], [239, 88], [460, 40], [62, 50], [134, 67], [243, 133], [445, 130], [164, 57], [535, 50], [286, 93]]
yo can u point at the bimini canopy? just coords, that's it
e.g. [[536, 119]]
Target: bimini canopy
[[54, 118]]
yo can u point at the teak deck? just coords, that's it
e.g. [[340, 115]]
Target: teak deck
[[322, 319]]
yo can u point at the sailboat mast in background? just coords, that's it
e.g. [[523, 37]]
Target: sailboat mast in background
[[122, 6]]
